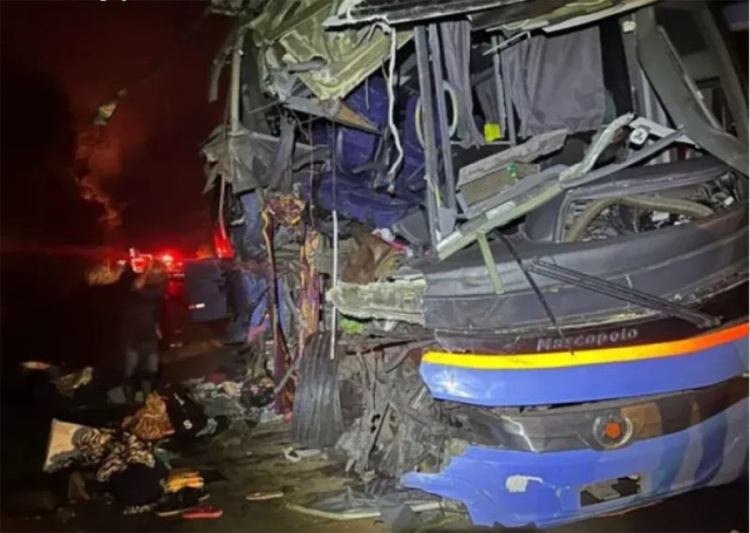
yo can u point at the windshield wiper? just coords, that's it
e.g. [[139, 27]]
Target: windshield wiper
[[620, 292]]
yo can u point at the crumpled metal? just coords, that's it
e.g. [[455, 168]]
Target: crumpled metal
[[242, 159], [292, 39]]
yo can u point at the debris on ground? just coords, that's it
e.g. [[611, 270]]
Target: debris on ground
[[295, 455], [68, 383], [353, 504], [264, 496]]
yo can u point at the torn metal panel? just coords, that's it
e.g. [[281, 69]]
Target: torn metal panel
[[520, 199], [396, 300], [333, 110], [735, 91], [641, 155], [682, 262], [670, 80], [552, 15], [250, 160], [235, 8], [292, 39], [515, 489], [351, 12], [544, 190], [430, 148], [449, 185], [523, 200], [484, 173], [598, 145]]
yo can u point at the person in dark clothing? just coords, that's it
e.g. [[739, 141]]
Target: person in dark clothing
[[142, 300]]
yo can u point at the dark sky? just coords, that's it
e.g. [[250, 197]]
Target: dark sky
[[59, 61]]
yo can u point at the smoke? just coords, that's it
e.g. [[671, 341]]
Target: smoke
[[140, 174], [98, 160]]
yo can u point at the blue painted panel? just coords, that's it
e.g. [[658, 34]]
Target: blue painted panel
[[516, 489], [587, 382]]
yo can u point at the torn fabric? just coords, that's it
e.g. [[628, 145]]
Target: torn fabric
[[250, 159], [293, 41], [456, 49]]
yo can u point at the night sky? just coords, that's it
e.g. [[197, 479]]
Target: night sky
[[60, 60]]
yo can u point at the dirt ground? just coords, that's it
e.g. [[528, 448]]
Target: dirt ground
[[244, 467], [241, 463], [257, 464]]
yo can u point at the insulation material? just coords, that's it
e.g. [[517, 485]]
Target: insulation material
[[371, 259], [331, 64], [395, 300], [557, 82]]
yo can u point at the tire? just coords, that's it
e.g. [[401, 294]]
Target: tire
[[316, 416]]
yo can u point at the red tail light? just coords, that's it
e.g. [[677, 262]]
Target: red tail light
[[222, 245]]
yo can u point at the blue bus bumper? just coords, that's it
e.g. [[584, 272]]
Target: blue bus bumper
[[515, 489]]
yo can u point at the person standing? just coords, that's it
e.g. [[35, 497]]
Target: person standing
[[142, 300]]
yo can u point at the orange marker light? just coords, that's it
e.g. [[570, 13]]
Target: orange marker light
[[612, 430]]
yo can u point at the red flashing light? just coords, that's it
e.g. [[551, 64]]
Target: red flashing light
[[140, 262]]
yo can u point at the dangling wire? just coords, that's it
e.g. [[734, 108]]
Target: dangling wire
[[391, 109], [335, 275]]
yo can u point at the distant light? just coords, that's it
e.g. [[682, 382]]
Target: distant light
[[105, 111]]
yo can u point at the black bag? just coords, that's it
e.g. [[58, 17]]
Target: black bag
[[185, 413]]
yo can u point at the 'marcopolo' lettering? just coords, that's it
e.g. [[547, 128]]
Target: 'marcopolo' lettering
[[590, 340]]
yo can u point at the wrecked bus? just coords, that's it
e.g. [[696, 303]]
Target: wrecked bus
[[501, 247]]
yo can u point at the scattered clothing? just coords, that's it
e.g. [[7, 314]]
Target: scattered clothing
[[112, 451], [152, 421], [139, 484], [179, 502], [184, 478], [77, 488]]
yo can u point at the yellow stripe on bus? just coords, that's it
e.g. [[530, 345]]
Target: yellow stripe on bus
[[588, 357]]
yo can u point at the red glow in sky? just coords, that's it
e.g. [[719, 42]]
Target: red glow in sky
[[150, 164]]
